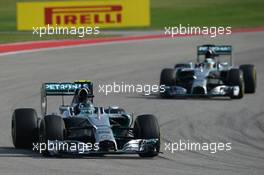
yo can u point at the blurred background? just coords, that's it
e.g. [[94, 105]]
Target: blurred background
[[234, 13]]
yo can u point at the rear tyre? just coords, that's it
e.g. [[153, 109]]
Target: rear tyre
[[147, 127], [250, 77], [235, 78], [24, 128]]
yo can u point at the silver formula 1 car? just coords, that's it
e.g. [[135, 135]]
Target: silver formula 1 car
[[82, 129], [212, 77]]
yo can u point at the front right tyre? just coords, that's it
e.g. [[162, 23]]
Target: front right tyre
[[167, 78]]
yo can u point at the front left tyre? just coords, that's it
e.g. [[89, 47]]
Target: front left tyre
[[52, 128], [168, 77], [235, 78], [24, 128]]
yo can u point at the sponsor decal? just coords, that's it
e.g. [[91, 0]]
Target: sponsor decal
[[101, 13], [50, 87], [83, 15]]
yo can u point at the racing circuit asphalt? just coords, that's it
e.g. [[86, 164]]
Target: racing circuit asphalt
[[240, 122]]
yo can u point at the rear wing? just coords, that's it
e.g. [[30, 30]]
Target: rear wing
[[217, 50], [57, 89], [62, 89]]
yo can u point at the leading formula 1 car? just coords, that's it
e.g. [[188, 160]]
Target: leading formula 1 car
[[212, 77], [106, 130]]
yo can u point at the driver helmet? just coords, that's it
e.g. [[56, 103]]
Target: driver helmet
[[209, 54], [83, 95]]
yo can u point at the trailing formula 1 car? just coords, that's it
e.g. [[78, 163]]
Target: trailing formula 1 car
[[83, 129], [212, 77]]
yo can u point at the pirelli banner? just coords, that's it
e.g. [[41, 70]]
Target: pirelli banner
[[94, 13]]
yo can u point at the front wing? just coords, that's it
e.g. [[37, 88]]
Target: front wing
[[135, 146], [218, 91]]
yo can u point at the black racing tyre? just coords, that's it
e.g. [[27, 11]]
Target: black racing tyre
[[52, 128], [24, 128], [147, 127], [182, 65], [250, 77], [168, 77], [235, 78]]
